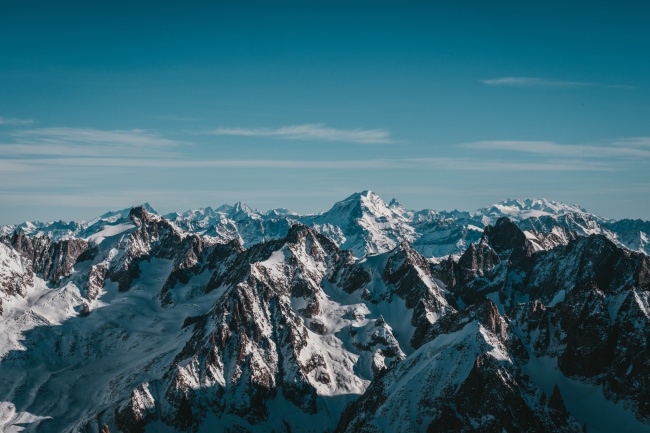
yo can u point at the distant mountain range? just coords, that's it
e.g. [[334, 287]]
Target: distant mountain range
[[527, 315], [365, 224]]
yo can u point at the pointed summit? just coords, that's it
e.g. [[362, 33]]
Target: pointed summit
[[280, 212], [364, 193], [357, 206], [241, 207], [146, 206], [394, 204], [365, 224], [241, 211], [139, 214]]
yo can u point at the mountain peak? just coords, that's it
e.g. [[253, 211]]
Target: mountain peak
[[394, 203], [242, 207], [366, 198], [146, 206], [356, 206], [224, 208], [525, 208], [139, 213], [357, 196], [365, 224], [280, 212]]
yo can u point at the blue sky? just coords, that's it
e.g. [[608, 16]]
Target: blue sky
[[442, 105]]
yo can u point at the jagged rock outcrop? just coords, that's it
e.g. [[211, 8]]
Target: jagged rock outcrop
[[51, 259], [408, 276], [16, 275], [96, 279], [461, 380], [634, 234], [154, 237], [584, 302], [277, 333]]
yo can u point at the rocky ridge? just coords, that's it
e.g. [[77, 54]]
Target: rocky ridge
[[176, 328]]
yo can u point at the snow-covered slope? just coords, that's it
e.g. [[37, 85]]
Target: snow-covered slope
[[464, 379], [145, 323]]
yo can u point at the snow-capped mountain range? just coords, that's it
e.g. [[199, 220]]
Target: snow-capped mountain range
[[366, 225], [528, 315]]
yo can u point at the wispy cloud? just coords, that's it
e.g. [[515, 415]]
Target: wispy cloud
[[14, 121], [133, 137], [313, 131], [88, 142], [534, 82], [632, 148], [633, 142]]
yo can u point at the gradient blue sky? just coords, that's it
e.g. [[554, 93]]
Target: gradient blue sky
[[298, 104]]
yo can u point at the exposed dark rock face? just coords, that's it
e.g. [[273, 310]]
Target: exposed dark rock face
[[501, 404], [53, 260], [194, 258], [347, 275], [555, 237], [253, 346], [258, 343], [584, 302], [155, 237], [461, 380], [635, 234], [408, 275], [506, 238], [134, 417], [95, 282]]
